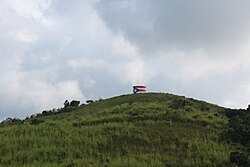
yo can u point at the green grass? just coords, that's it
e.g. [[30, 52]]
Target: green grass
[[150, 129]]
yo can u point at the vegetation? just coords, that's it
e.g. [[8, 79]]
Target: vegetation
[[151, 129], [238, 134]]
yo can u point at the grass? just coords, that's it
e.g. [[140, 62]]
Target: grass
[[150, 129]]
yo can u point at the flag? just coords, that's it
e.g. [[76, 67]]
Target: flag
[[139, 89]]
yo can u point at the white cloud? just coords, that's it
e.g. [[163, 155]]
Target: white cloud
[[194, 48], [51, 53], [32, 10], [54, 50], [121, 46], [25, 37], [132, 72], [89, 82], [77, 64]]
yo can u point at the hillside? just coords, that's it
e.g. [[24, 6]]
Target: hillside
[[152, 129]]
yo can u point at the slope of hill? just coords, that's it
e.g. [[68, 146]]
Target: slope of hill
[[152, 129]]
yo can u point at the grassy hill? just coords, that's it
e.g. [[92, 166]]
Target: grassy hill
[[152, 129]]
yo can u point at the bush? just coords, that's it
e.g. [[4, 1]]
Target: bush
[[36, 121], [239, 158]]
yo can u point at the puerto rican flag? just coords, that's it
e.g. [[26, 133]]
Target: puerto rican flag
[[139, 89]]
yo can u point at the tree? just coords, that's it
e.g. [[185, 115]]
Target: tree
[[239, 158], [66, 104], [89, 101], [248, 108], [74, 103]]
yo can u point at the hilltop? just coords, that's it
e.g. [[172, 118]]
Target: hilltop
[[152, 129]]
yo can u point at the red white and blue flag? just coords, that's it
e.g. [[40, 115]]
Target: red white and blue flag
[[139, 89]]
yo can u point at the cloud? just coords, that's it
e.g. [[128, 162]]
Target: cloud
[[178, 24], [55, 50], [194, 48], [78, 64], [26, 92], [30, 73]]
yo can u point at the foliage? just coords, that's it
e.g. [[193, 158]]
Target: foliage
[[129, 130], [238, 133]]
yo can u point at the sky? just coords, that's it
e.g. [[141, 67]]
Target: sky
[[53, 50]]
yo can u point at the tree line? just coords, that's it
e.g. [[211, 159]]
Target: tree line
[[238, 134], [68, 106]]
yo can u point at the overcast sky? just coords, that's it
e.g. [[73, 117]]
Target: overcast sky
[[53, 50]]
